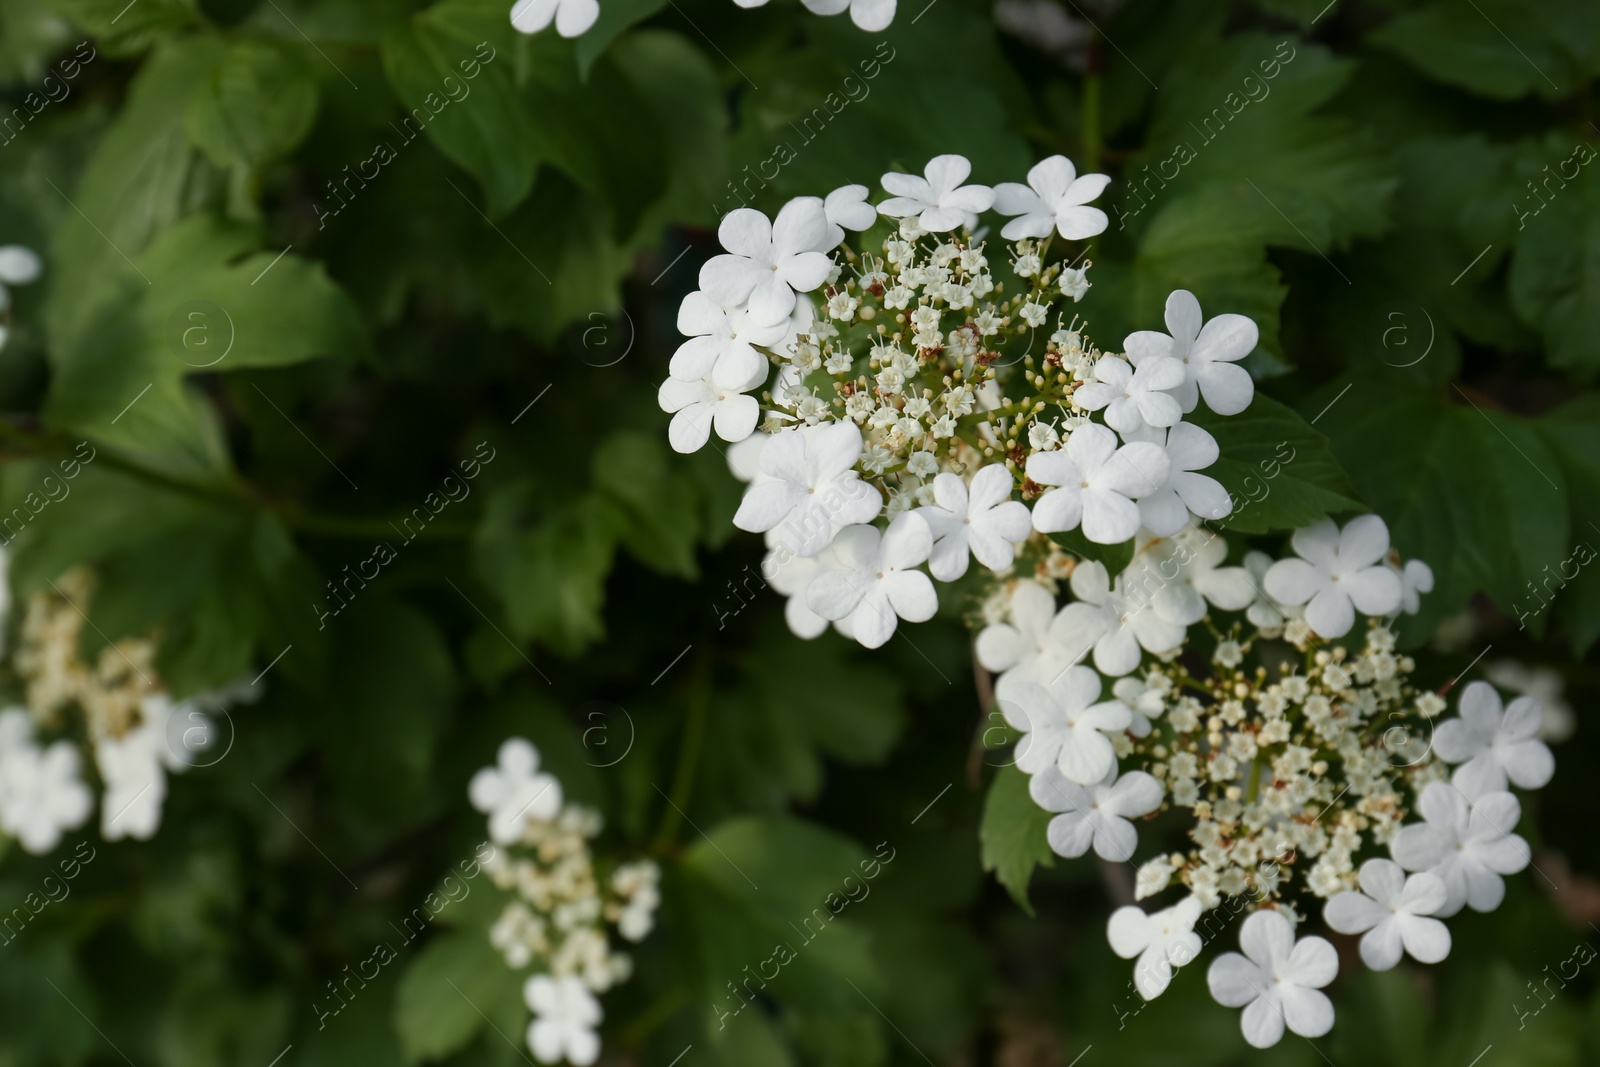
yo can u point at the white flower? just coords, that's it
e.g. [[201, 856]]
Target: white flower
[[1337, 574], [18, 266], [1469, 845], [1162, 941], [1062, 726], [1394, 912], [1264, 613], [1035, 644], [1492, 745], [1053, 199], [982, 520], [41, 789], [1153, 875], [1133, 399], [720, 343], [136, 784], [1277, 981], [572, 17], [869, 15], [1208, 354], [565, 1015], [1178, 575], [790, 575], [1075, 283], [1416, 578], [1098, 483], [697, 406], [877, 584], [514, 791], [1115, 621], [1143, 701], [1095, 814], [811, 488], [768, 260], [1545, 685], [938, 201], [1189, 449], [846, 208]]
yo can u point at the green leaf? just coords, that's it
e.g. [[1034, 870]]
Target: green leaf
[[1573, 434], [256, 106], [1279, 471], [212, 303], [1013, 834], [615, 18], [1115, 557], [1555, 271], [661, 501], [1501, 48], [123, 29], [548, 567], [457, 986], [452, 53]]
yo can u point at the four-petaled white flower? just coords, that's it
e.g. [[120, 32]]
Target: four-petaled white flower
[[1493, 745], [1096, 814], [720, 345], [938, 200], [1394, 912], [41, 788], [1062, 726], [1339, 572], [1277, 981], [1133, 398], [572, 17], [1143, 701], [1053, 199], [1036, 644], [1208, 354], [1114, 620], [699, 405], [810, 488], [1468, 844], [1162, 940], [514, 791], [877, 583], [1097, 484], [565, 1015], [1189, 449], [767, 261], [846, 208], [1416, 578], [981, 520]]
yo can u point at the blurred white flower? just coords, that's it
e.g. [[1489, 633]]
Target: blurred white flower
[[572, 17], [1544, 684], [42, 792], [514, 791], [565, 1015], [1493, 744]]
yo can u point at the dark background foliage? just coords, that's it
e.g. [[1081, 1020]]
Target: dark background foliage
[[506, 285]]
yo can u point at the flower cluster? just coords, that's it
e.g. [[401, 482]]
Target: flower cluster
[[573, 18], [137, 732], [1295, 764], [561, 905]]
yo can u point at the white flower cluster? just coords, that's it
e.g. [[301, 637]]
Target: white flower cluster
[[890, 403], [574, 17], [1290, 772], [137, 732], [562, 904], [18, 266]]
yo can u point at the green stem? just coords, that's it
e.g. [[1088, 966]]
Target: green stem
[[694, 732]]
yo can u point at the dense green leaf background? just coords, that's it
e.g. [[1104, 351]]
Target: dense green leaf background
[[306, 259]]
